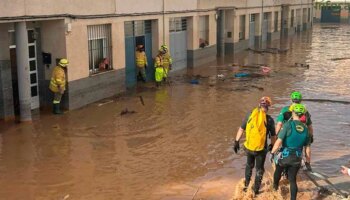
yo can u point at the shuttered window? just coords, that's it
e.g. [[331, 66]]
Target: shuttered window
[[100, 48]]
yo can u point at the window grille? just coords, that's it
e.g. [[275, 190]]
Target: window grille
[[99, 48]]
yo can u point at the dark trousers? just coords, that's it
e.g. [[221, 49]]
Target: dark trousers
[[292, 177], [255, 159]]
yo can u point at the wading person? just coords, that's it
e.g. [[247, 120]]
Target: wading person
[[167, 61], [293, 138], [159, 66], [257, 126], [286, 114], [141, 62], [58, 84]]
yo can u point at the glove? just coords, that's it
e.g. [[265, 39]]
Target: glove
[[311, 139], [236, 147], [146, 66], [269, 148], [272, 157], [308, 166], [170, 66]]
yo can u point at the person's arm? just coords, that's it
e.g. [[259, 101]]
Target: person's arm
[[278, 127], [239, 134], [272, 131], [276, 146], [308, 154]]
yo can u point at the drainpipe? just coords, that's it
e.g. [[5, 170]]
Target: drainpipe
[[262, 21], [163, 21], [222, 33], [22, 58]]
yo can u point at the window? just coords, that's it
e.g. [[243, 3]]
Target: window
[[177, 24], [242, 27], [252, 18], [100, 48], [276, 22], [203, 31]]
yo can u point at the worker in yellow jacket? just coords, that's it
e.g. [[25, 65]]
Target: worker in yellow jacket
[[167, 61], [159, 66], [58, 84], [141, 62]]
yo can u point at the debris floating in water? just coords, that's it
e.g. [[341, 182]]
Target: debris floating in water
[[126, 111]]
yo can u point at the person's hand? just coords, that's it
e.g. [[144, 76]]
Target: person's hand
[[269, 148], [236, 146], [146, 66], [272, 157], [344, 170], [61, 90], [308, 166]]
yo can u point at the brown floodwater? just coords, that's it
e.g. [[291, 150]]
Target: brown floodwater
[[178, 145]]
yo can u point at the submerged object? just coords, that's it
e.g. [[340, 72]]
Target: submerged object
[[194, 81], [240, 75]]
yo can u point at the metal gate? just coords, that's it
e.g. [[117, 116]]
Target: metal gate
[[252, 30], [330, 14], [137, 32], [178, 42]]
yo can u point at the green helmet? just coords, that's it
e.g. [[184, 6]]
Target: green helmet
[[299, 109], [296, 97]]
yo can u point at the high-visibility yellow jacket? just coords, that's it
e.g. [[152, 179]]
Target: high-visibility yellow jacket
[[58, 79], [159, 61], [167, 60], [141, 59]]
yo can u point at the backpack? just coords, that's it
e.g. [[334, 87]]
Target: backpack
[[256, 130]]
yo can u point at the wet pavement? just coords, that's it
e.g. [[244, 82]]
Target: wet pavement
[[178, 144]]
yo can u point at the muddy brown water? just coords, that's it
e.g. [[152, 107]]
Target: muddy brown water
[[178, 145]]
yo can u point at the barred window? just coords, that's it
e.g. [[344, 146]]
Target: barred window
[[100, 48], [177, 24], [252, 18]]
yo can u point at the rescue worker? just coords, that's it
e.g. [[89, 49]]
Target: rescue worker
[[58, 84], [257, 126], [167, 61], [141, 62], [286, 114], [294, 136], [159, 67]]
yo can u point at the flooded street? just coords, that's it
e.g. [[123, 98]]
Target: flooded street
[[178, 145]]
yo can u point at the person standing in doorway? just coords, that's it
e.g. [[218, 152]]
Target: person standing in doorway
[[58, 84], [167, 61], [258, 125], [141, 62]]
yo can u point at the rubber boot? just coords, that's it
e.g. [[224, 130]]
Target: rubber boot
[[56, 109]]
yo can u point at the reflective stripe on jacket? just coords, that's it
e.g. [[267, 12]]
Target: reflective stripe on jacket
[[58, 79], [141, 59], [167, 60], [158, 62]]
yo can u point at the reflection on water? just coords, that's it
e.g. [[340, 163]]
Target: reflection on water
[[180, 140]]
